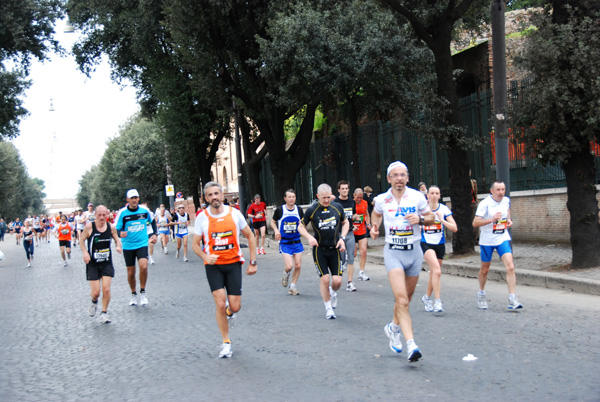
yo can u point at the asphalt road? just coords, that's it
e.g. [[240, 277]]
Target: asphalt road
[[284, 348]]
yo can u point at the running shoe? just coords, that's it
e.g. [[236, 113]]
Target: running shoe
[[177, 254], [330, 314], [104, 318], [65, 264], [334, 298], [363, 277], [344, 267], [143, 299], [230, 315], [151, 260], [285, 279], [350, 287], [185, 259], [414, 353], [428, 303], [226, 351], [293, 291], [513, 303], [262, 251], [92, 309], [28, 265], [395, 338], [165, 250], [481, 301], [438, 307], [133, 301]]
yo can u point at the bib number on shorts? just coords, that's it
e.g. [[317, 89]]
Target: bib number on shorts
[[401, 246]]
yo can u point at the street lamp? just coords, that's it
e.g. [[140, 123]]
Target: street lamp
[[69, 28]]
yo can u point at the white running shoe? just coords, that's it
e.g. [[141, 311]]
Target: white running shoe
[[104, 318], [334, 298], [350, 287], [143, 299], [428, 303], [414, 353], [28, 265], [151, 260], [395, 338], [177, 254], [229, 317], [513, 303], [185, 259], [226, 351], [285, 279], [92, 309], [363, 277], [65, 264], [294, 291], [438, 307], [481, 301], [165, 250], [330, 314], [133, 301]]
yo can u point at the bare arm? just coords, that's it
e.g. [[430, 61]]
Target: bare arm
[[376, 219], [85, 234], [449, 222], [115, 237], [275, 229], [246, 231]]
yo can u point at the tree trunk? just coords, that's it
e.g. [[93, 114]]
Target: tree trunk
[[463, 241], [582, 204], [354, 143]]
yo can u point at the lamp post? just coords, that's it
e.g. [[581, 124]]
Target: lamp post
[[238, 154], [499, 87]]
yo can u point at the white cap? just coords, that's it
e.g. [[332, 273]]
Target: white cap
[[394, 165], [132, 193]]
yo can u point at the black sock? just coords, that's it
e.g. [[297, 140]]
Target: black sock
[[95, 301], [104, 312], [142, 290], [134, 293]]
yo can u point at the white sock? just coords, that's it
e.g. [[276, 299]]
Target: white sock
[[511, 296], [395, 328], [292, 285], [327, 305], [361, 272], [410, 342]]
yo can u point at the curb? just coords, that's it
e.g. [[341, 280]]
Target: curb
[[549, 280]]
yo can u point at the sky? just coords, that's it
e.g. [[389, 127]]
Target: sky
[[60, 146]]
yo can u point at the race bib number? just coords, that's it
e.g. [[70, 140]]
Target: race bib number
[[436, 228], [65, 231], [499, 226], [401, 236], [258, 215], [289, 227], [102, 255]]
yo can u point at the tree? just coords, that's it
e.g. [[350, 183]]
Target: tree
[[560, 114], [26, 32], [218, 42], [133, 36], [87, 184], [354, 57], [434, 22], [19, 194]]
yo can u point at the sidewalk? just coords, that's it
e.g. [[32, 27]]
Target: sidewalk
[[536, 265]]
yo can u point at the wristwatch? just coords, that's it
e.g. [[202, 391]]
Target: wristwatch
[[422, 220], [343, 238], [252, 262]]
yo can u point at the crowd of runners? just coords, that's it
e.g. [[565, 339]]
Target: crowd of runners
[[413, 223]]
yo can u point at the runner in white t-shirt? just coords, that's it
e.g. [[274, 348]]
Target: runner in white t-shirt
[[403, 211], [433, 243], [493, 218]]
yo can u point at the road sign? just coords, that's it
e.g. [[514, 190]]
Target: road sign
[[170, 189], [179, 194]]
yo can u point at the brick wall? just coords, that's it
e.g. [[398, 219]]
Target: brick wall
[[539, 215]]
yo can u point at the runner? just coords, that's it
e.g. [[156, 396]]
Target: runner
[[28, 240], [219, 227], [349, 206], [433, 244], [37, 227], [285, 225], [17, 226], [98, 259], [403, 210], [163, 218], [63, 233], [361, 222], [79, 223], [493, 219], [257, 211], [131, 225], [89, 215], [326, 217], [71, 220], [48, 226], [181, 220], [150, 231]]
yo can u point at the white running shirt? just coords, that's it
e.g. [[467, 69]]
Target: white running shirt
[[397, 229], [495, 233]]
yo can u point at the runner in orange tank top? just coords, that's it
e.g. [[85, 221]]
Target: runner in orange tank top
[[219, 227]]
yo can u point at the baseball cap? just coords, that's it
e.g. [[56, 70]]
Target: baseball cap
[[90, 205], [132, 193], [394, 165]]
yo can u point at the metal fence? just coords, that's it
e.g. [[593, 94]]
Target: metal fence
[[380, 143]]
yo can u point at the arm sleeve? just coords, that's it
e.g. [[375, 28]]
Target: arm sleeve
[[300, 212], [279, 213]]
